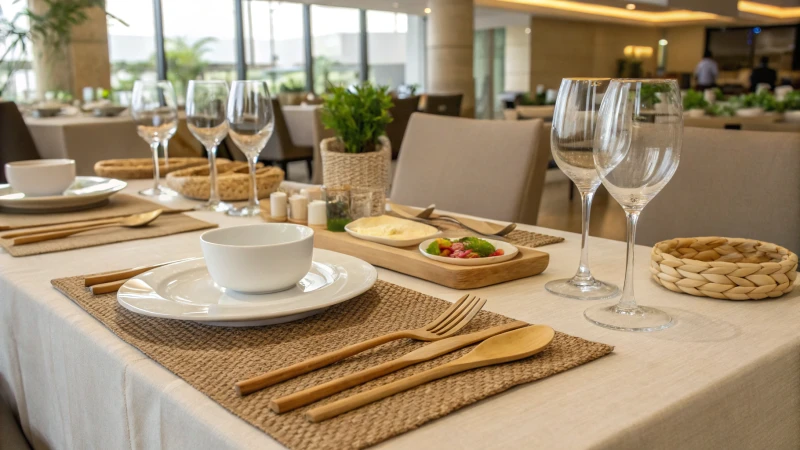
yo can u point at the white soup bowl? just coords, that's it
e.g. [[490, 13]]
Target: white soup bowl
[[41, 177], [260, 258]]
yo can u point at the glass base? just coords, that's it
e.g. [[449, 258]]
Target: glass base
[[214, 206], [245, 211], [159, 192], [640, 318], [580, 289]]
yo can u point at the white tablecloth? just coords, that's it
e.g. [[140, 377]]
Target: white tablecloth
[[726, 376]]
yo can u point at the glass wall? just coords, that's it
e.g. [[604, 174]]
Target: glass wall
[[200, 45], [335, 44], [131, 48], [274, 44], [387, 47], [17, 79]]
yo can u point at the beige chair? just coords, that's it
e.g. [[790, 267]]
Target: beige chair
[[318, 132], [488, 168], [731, 184], [286, 151], [16, 143]]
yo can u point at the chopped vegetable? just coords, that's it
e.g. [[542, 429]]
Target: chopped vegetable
[[464, 248]]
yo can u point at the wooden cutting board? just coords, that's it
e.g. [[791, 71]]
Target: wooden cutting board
[[409, 261]]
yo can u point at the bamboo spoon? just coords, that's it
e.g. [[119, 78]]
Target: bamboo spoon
[[135, 221], [506, 347], [450, 322], [478, 226], [111, 282], [426, 353]]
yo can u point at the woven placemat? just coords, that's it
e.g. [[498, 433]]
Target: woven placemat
[[212, 359], [118, 205], [165, 225]]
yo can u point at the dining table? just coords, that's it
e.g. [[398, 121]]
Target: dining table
[[726, 375]]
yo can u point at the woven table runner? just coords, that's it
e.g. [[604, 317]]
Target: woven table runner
[[164, 225], [212, 359], [118, 205]]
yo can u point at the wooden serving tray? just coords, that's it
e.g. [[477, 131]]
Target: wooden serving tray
[[409, 261]]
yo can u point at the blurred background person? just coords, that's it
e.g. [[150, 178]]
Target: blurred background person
[[706, 72], [763, 74]]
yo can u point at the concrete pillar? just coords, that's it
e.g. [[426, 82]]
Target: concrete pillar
[[518, 59], [82, 62], [450, 51]]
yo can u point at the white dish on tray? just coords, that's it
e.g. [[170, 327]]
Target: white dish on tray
[[510, 251], [84, 193], [185, 291], [384, 221]]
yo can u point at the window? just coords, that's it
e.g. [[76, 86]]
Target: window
[[777, 44], [17, 79], [336, 46], [131, 48], [731, 48], [387, 48], [199, 41], [274, 44]]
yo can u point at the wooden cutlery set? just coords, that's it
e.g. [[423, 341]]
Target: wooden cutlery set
[[504, 343]]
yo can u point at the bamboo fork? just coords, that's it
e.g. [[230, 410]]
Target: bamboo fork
[[426, 353], [36, 229], [456, 317], [111, 282]]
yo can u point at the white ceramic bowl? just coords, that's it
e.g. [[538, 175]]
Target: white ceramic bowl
[[695, 113], [792, 116], [749, 112], [260, 258], [41, 177]]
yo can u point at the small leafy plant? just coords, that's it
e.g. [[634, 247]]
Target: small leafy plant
[[694, 100], [761, 100], [358, 115], [537, 100], [792, 101], [292, 85]]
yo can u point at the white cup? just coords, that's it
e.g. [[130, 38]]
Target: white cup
[[260, 258], [41, 177]]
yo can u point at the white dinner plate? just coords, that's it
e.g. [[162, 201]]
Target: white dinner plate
[[84, 193], [434, 232], [509, 250], [185, 291]]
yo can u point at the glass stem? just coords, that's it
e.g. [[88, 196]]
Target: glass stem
[[165, 144], [213, 197], [253, 186], [586, 212], [628, 302], [156, 174]]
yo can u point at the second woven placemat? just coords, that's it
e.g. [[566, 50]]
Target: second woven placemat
[[212, 359]]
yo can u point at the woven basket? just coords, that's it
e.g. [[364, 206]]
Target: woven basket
[[724, 268], [355, 169], [233, 180], [142, 168]]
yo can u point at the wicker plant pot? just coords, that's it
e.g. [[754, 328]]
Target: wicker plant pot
[[233, 180], [355, 169], [724, 268]]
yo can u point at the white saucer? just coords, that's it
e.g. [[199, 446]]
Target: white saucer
[[509, 250], [85, 192], [185, 291]]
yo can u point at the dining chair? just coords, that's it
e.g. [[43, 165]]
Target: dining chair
[[443, 105], [16, 142], [488, 168], [740, 184], [286, 151], [318, 133], [401, 113]]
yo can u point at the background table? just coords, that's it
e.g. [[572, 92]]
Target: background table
[[727, 375]]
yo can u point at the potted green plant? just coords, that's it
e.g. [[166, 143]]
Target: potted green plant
[[359, 154], [292, 92], [791, 106], [750, 105], [694, 103]]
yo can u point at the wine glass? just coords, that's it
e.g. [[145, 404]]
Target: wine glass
[[156, 115], [571, 141], [637, 147], [251, 121], [205, 115]]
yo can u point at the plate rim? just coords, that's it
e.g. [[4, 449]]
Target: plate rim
[[53, 201], [333, 300], [452, 261]]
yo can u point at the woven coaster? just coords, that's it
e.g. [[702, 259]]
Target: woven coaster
[[165, 225], [118, 205], [212, 359]]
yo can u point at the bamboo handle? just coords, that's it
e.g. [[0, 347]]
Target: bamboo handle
[[69, 226], [276, 376], [58, 234], [310, 395], [105, 288], [364, 398]]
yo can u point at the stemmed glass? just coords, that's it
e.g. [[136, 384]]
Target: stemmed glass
[[571, 141], [637, 148], [251, 122], [205, 115], [156, 114]]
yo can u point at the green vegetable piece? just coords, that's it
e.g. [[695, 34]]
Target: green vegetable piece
[[433, 249], [479, 246]]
